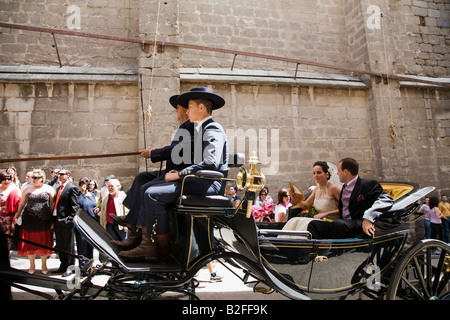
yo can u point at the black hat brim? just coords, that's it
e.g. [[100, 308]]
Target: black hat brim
[[173, 100], [218, 101]]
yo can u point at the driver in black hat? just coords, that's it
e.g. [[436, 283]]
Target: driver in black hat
[[210, 152], [145, 179]]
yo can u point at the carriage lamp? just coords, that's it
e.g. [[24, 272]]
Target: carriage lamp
[[252, 180], [446, 264]]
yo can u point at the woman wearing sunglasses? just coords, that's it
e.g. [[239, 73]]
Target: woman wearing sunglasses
[[37, 222], [9, 203]]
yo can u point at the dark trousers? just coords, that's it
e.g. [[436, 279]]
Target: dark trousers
[[445, 225], [84, 248], [64, 236], [158, 197], [115, 232], [437, 231], [339, 229], [135, 194], [426, 223]]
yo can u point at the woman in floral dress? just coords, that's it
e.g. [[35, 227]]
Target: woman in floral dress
[[9, 203]]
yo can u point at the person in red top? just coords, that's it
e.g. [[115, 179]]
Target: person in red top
[[9, 203], [112, 204]]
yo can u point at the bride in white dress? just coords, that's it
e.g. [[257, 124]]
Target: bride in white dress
[[324, 198]]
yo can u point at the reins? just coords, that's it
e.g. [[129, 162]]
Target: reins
[[79, 257]]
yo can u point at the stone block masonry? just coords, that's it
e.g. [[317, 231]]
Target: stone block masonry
[[72, 120], [398, 130]]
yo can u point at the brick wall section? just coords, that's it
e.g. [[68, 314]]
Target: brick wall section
[[314, 122], [356, 29], [426, 128], [72, 119], [420, 31], [328, 31], [295, 29], [116, 18]]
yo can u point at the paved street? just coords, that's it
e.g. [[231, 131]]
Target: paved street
[[231, 288]]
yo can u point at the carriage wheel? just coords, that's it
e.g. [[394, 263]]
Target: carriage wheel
[[422, 273]]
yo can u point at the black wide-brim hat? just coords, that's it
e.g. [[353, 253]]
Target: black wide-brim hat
[[201, 93], [174, 100]]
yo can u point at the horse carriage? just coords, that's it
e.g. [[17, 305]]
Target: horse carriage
[[209, 228]]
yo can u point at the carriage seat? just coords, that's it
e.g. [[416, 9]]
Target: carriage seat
[[206, 201], [234, 160]]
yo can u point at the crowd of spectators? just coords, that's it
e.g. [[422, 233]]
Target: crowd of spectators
[[42, 210]]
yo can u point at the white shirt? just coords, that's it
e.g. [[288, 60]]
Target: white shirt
[[281, 208], [198, 124]]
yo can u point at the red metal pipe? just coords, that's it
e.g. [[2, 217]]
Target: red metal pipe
[[227, 51]]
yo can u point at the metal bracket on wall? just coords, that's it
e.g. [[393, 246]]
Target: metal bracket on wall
[[57, 51], [147, 43]]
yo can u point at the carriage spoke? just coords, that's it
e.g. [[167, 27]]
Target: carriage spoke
[[444, 268], [422, 273], [429, 268], [437, 276], [443, 284], [420, 277], [412, 287]]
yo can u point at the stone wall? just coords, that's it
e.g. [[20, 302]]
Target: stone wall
[[311, 30], [398, 130], [113, 18], [427, 27], [294, 128], [65, 119]]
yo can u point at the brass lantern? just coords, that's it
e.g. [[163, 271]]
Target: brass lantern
[[252, 180]]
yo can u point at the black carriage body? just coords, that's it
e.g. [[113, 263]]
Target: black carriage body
[[192, 232], [330, 268], [204, 229]]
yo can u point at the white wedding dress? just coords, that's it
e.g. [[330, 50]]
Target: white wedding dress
[[322, 203]]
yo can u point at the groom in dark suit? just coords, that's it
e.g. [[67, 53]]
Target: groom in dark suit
[[362, 201], [65, 209]]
